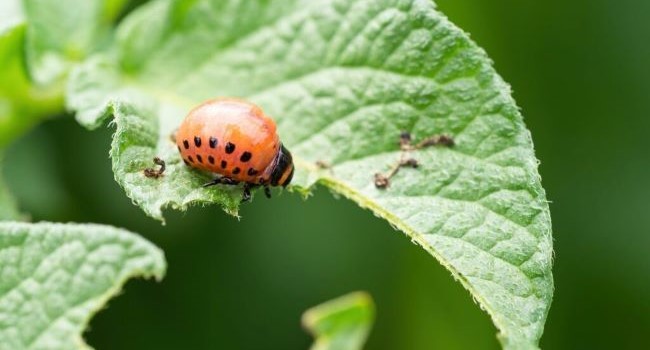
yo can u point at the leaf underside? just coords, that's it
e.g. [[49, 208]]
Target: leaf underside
[[54, 277], [343, 79], [342, 323]]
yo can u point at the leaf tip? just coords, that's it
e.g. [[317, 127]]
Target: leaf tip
[[359, 300]]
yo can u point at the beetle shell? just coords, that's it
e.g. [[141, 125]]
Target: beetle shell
[[230, 137]]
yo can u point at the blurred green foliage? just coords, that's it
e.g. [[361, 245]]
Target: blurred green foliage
[[579, 72], [342, 323]]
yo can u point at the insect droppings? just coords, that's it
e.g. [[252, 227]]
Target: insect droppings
[[382, 181]]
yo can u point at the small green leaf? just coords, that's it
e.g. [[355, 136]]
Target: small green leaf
[[342, 323], [342, 79], [54, 277]]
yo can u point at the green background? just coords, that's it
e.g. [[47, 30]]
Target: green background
[[580, 72]]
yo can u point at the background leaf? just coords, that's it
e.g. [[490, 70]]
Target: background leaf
[[59, 37], [342, 79], [48, 37], [342, 323], [40, 40], [56, 276], [11, 14], [22, 104]]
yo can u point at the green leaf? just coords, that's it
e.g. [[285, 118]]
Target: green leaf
[[342, 323], [22, 104], [343, 79], [54, 277], [40, 40], [59, 37]]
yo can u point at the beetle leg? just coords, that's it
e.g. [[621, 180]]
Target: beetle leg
[[221, 180], [246, 194], [267, 191]]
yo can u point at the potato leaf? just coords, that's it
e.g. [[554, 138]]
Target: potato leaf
[[54, 277], [343, 79]]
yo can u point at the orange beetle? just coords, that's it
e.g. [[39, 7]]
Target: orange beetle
[[235, 139]]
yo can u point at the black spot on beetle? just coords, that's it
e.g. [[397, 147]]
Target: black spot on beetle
[[223, 164], [236, 170], [186, 163], [197, 141], [246, 156], [213, 142], [199, 158], [252, 172], [230, 147], [186, 144], [179, 148], [190, 159], [211, 159]]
